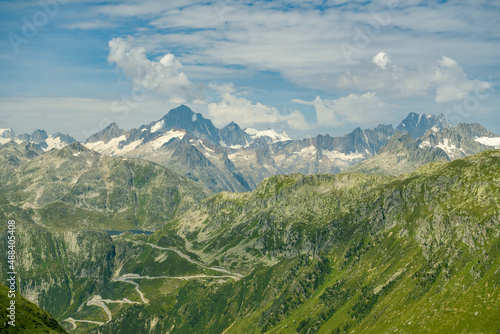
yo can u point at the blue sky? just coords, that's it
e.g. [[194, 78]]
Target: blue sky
[[306, 67]]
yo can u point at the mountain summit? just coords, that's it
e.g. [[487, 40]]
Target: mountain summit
[[416, 125], [194, 123]]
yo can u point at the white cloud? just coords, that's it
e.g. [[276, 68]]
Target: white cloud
[[447, 62], [302, 42], [364, 109], [381, 59], [90, 25], [165, 75], [444, 79], [246, 113]]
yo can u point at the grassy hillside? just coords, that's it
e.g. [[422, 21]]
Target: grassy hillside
[[337, 254], [75, 188], [29, 317], [418, 253]]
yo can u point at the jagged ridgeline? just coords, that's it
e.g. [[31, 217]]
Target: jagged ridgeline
[[417, 253]]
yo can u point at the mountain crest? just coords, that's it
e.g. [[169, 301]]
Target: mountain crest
[[183, 117], [106, 134], [233, 135], [418, 124]]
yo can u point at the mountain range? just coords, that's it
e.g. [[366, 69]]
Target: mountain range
[[235, 159], [318, 253], [376, 231]]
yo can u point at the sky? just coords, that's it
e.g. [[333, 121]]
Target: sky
[[306, 67]]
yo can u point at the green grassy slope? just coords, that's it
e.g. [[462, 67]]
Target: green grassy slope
[[418, 253], [414, 254], [96, 191], [29, 318]]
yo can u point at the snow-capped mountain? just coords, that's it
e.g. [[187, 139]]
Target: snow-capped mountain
[[38, 138], [461, 140], [233, 159], [184, 118], [417, 125]]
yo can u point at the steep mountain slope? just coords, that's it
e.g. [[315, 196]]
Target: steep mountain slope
[[232, 159], [29, 317], [344, 253], [194, 123], [306, 254], [63, 201], [98, 192], [233, 136], [39, 138], [401, 155], [322, 154], [199, 160], [460, 141], [417, 125], [182, 140]]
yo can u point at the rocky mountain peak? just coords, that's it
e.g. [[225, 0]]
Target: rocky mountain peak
[[233, 135], [183, 117], [64, 138], [7, 133], [38, 136], [106, 134], [418, 124]]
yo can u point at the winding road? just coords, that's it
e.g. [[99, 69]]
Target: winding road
[[186, 257], [129, 278]]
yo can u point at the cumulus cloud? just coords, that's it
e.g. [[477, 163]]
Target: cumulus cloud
[[301, 41], [444, 79], [165, 75], [381, 59], [364, 109], [246, 113], [447, 62]]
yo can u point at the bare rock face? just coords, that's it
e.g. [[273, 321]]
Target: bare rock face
[[417, 125]]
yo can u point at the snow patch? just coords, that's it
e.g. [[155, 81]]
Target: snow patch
[[4, 140], [275, 136], [307, 151], [157, 143], [3, 131], [54, 143], [333, 155], [425, 144], [241, 156], [158, 126], [206, 148], [449, 148], [488, 141], [130, 147], [108, 148]]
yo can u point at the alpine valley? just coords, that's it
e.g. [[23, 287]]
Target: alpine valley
[[178, 226]]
